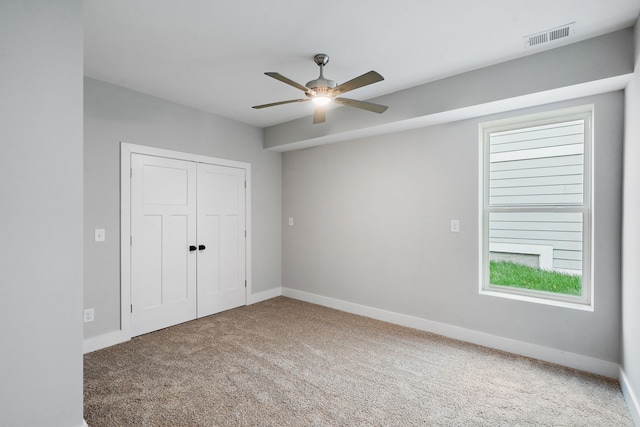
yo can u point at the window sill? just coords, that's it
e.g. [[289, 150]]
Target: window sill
[[546, 301]]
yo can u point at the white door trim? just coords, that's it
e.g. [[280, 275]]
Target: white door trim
[[126, 150]]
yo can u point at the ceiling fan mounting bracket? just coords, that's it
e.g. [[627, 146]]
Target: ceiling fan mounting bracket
[[321, 59]]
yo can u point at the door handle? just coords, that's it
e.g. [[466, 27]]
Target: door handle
[[192, 248], [202, 247]]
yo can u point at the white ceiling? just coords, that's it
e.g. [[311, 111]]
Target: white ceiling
[[211, 54]]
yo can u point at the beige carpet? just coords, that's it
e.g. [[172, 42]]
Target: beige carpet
[[284, 362]]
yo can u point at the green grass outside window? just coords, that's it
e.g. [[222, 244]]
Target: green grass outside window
[[504, 273]]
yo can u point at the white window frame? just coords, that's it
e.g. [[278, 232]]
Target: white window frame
[[585, 300]]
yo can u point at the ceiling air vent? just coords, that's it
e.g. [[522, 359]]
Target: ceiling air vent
[[549, 35]]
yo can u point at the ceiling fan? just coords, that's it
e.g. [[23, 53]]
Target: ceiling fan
[[323, 91]]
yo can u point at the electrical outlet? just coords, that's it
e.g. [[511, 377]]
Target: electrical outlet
[[290, 221], [99, 235], [88, 315], [455, 225]]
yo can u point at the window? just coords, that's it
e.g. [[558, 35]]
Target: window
[[536, 208]]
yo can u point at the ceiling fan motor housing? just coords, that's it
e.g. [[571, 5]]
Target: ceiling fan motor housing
[[321, 85]]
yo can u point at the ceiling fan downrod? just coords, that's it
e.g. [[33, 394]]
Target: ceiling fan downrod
[[321, 86]]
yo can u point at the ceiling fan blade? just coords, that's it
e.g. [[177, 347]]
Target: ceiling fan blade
[[273, 104], [363, 80], [369, 106], [319, 115], [283, 79]]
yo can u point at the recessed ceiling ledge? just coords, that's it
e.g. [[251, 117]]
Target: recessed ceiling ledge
[[598, 65]]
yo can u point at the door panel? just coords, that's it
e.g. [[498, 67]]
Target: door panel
[[221, 228], [151, 268], [163, 225], [177, 255], [209, 260], [164, 185], [229, 258]]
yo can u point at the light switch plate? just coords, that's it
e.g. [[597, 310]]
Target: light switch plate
[[89, 315], [290, 221], [100, 235], [455, 225]]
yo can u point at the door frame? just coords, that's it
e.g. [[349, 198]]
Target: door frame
[[126, 149]]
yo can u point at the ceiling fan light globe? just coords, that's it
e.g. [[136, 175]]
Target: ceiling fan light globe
[[321, 100]]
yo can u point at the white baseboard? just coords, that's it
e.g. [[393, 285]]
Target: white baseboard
[[631, 397], [84, 423], [571, 360], [103, 341], [264, 295]]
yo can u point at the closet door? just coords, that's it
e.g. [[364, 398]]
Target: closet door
[[221, 237], [163, 239]]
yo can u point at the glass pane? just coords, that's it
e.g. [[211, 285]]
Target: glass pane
[[540, 165], [536, 250]]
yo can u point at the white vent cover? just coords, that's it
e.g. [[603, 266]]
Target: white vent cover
[[553, 34]]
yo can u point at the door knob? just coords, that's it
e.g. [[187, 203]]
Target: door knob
[[202, 247], [192, 248]]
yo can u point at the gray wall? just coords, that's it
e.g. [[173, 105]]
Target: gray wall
[[372, 219], [114, 114], [631, 232], [41, 219]]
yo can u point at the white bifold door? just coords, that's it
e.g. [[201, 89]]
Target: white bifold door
[[187, 241], [221, 232]]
